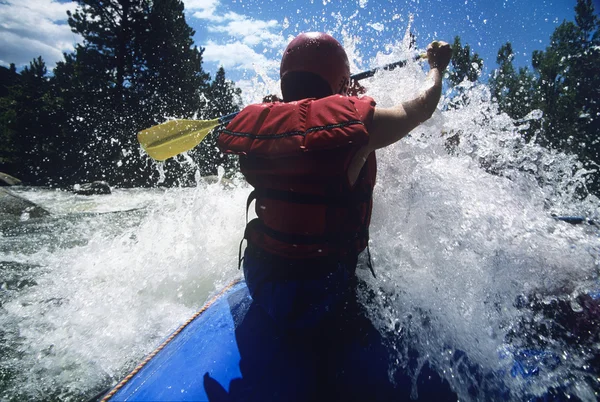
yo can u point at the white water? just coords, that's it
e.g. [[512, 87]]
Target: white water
[[99, 307], [453, 247]]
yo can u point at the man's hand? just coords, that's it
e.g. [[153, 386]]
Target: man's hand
[[439, 54]]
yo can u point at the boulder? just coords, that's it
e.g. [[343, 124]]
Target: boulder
[[8, 180], [12, 204], [93, 188]]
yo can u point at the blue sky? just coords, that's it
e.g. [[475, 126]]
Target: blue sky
[[248, 36], [483, 24]]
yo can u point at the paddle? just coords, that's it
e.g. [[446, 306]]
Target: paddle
[[176, 136]]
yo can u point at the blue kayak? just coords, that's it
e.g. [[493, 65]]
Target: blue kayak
[[231, 350]]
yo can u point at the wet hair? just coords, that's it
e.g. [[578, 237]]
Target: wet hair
[[297, 85]]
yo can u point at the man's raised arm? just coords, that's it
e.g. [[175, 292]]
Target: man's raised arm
[[392, 124]]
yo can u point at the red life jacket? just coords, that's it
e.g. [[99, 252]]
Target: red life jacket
[[296, 156]]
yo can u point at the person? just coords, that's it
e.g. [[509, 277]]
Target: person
[[311, 161]]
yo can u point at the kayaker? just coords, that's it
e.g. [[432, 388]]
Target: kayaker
[[311, 161]]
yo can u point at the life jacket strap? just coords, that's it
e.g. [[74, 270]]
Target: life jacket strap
[[240, 258], [293, 197], [292, 133], [300, 239]]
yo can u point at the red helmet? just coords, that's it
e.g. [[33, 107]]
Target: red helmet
[[318, 53]]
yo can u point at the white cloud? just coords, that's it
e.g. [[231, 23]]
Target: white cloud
[[200, 4], [21, 50], [237, 41], [249, 31], [203, 9], [32, 28], [237, 55]]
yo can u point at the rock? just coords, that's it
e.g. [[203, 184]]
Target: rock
[[8, 180], [12, 204], [93, 188]]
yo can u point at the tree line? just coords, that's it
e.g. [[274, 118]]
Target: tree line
[[136, 66], [563, 83]]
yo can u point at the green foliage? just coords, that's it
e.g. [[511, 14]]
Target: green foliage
[[464, 64], [464, 69], [136, 67], [8, 78], [564, 84], [569, 82], [515, 92], [170, 71], [28, 124], [223, 99]]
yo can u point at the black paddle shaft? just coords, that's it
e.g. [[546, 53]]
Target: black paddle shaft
[[387, 67]]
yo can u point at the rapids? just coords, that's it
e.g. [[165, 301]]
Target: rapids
[[472, 270]]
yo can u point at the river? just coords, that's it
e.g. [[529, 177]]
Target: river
[[472, 269]]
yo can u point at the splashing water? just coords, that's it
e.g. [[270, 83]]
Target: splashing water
[[76, 316], [472, 270]]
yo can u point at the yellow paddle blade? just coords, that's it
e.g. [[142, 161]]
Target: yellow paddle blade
[[174, 137]]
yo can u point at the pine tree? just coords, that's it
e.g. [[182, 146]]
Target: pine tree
[[96, 81], [169, 78], [464, 64], [569, 82], [223, 98], [8, 78], [136, 67], [514, 91], [557, 93], [586, 67], [34, 124]]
